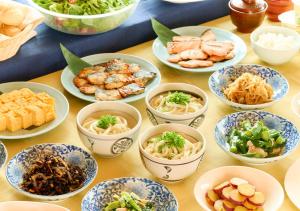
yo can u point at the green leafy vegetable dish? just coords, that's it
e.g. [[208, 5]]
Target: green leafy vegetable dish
[[83, 7], [129, 202], [256, 140]]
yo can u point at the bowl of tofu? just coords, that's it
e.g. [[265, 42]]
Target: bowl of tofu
[[29, 109]]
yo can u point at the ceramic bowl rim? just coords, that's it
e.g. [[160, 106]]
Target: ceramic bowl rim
[[5, 154], [247, 13], [130, 178], [99, 137], [245, 106], [293, 102], [256, 160], [61, 15], [244, 168], [55, 197], [161, 161], [264, 29], [201, 93]]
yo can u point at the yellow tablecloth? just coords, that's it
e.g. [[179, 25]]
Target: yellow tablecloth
[[129, 164]]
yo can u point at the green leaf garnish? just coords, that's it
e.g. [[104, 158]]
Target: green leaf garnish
[[107, 120], [164, 33], [74, 62], [173, 139], [179, 98]]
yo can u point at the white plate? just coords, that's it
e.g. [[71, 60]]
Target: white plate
[[263, 182], [296, 104], [240, 50], [29, 206], [67, 76], [292, 183], [61, 109]]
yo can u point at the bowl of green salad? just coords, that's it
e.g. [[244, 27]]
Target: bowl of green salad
[[256, 137], [84, 17]]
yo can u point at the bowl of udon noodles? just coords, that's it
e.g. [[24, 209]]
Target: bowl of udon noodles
[[108, 128], [248, 86], [172, 152], [177, 103]]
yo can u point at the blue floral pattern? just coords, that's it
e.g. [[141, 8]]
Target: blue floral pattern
[[289, 131], [220, 79], [3, 154], [98, 197], [18, 165]]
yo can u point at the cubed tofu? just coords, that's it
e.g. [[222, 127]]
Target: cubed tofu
[[47, 109], [46, 98], [38, 116], [13, 121], [26, 116], [12, 106], [25, 92]]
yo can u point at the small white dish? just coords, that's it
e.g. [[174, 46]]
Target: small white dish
[[263, 181], [108, 145], [171, 170], [61, 109], [292, 183], [271, 56], [191, 119], [296, 104], [288, 19], [29, 206]]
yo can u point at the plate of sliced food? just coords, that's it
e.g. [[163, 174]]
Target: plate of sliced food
[[197, 48], [29, 109], [109, 77]]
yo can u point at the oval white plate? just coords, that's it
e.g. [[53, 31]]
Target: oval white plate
[[263, 181], [292, 183], [30, 206], [240, 50], [67, 75], [61, 109]]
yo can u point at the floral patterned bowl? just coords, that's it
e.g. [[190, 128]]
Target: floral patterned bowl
[[289, 131], [3, 154], [17, 166], [100, 195], [220, 79]]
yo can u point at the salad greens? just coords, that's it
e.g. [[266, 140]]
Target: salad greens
[[179, 98], [83, 7], [131, 202], [107, 120], [256, 140]]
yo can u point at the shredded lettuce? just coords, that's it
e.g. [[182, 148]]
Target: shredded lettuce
[[83, 7]]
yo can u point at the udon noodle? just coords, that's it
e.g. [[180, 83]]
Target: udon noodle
[[172, 146], [249, 89], [176, 103], [118, 125]]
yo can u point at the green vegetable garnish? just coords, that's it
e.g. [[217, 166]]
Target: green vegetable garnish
[[107, 120], [179, 98], [255, 141], [173, 139]]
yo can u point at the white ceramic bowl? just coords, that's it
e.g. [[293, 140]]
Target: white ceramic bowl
[[292, 184], [108, 145], [263, 182], [275, 57], [29, 206], [171, 170], [192, 119]]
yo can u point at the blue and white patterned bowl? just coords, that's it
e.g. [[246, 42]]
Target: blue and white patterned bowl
[[17, 166], [3, 154], [100, 195], [289, 131], [223, 77]]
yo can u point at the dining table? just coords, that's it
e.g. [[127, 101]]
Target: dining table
[[129, 163]]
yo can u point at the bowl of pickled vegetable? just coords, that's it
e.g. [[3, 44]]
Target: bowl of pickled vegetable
[[84, 17], [256, 137]]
